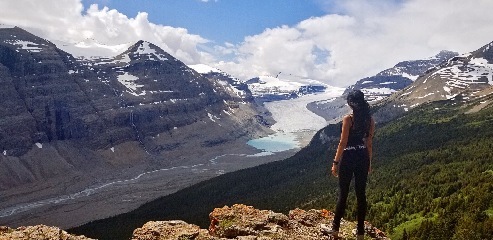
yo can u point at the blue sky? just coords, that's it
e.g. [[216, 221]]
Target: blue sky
[[334, 41], [219, 21]]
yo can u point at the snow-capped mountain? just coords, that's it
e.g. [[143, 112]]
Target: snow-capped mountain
[[465, 78], [380, 86], [398, 77], [234, 86], [54, 106], [283, 86]]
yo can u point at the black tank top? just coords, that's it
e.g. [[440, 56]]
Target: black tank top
[[356, 137]]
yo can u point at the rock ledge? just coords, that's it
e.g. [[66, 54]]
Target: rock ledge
[[247, 223]]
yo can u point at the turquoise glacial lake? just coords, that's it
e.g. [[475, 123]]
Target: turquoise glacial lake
[[277, 142]]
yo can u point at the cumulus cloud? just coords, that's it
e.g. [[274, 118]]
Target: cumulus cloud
[[356, 39], [68, 21], [365, 37]]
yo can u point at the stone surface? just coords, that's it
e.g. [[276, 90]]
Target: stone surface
[[167, 230], [39, 232], [247, 223]]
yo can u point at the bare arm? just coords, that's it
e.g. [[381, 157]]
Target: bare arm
[[346, 125]]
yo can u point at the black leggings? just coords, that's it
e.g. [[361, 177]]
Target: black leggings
[[354, 162]]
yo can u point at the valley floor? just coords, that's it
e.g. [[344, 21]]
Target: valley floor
[[73, 203], [115, 196]]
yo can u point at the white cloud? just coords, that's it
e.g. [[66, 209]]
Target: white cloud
[[67, 21], [366, 37], [363, 38]]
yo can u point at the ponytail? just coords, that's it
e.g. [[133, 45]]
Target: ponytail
[[361, 111]]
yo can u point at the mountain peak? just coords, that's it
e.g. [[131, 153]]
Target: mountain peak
[[485, 52], [147, 51], [22, 40], [445, 54]]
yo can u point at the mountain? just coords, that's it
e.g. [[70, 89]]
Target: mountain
[[382, 85], [76, 126], [398, 77], [464, 78], [432, 167], [282, 87], [235, 87]]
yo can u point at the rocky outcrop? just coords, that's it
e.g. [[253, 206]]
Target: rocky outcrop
[[39, 232], [237, 222], [248, 223]]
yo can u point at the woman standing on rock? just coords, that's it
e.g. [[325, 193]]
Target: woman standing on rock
[[353, 157]]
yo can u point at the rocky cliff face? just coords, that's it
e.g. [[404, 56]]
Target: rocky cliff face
[[69, 122]]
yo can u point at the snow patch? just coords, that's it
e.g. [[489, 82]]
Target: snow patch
[[126, 59], [412, 77], [387, 83], [26, 45], [112, 149], [204, 69], [6, 26], [429, 94], [407, 93], [39, 145], [325, 101], [90, 48], [476, 72], [5, 152], [372, 91], [146, 49], [128, 80], [212, 117]]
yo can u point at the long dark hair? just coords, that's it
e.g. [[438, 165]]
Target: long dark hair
[[361, 111]]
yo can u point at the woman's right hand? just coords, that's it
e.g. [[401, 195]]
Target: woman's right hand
[[335, 169]]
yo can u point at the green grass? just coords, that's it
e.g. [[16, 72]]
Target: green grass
[[489, 212], [410, 225]]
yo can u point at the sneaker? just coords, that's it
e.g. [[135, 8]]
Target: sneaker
[[326, 230]]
